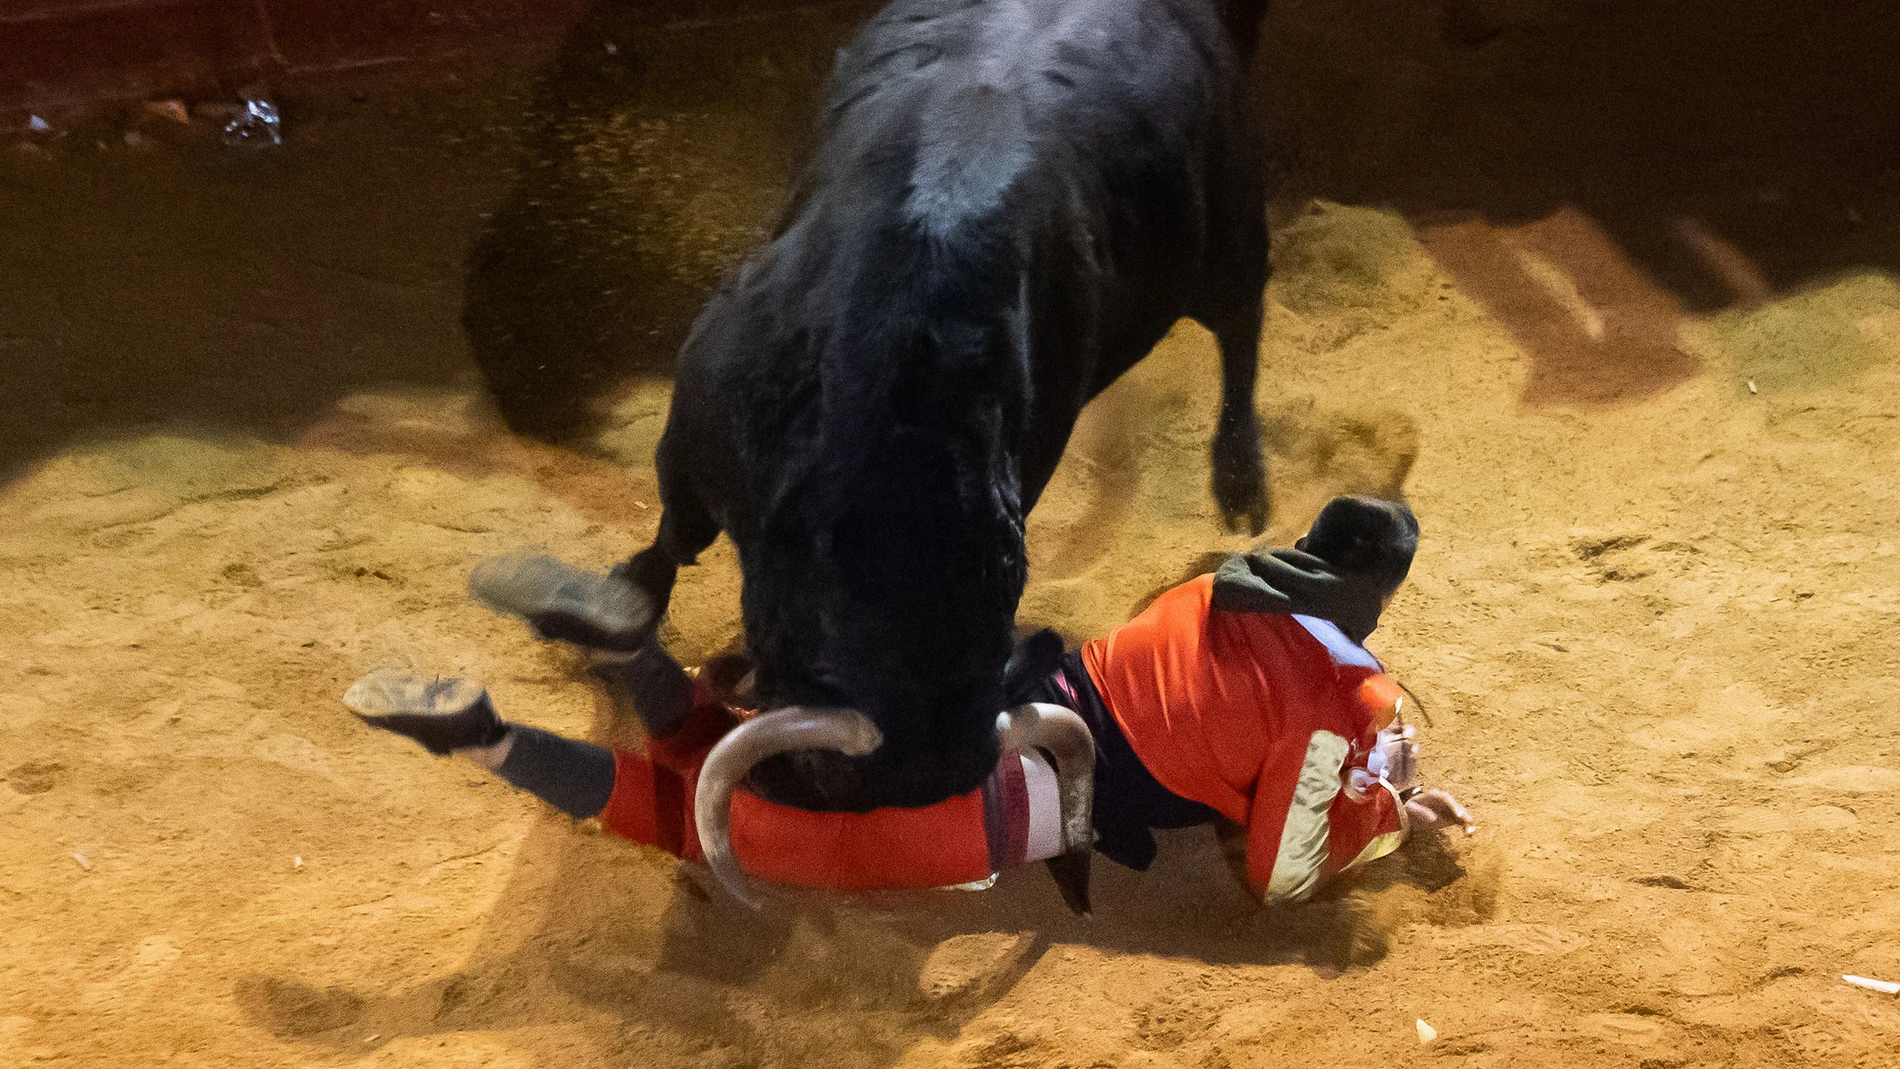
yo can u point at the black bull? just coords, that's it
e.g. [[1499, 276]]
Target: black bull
[[1008, 204]]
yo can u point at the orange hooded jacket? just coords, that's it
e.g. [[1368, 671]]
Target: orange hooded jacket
[[1261, 717]]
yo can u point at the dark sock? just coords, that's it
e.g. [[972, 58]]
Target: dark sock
[[574, 777], [654, 683]]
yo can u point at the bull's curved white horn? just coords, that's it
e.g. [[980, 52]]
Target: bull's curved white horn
[[795, 727], [1067, 738]]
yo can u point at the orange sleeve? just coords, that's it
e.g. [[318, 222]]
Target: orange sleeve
[[1287, 821], [1378, 699]]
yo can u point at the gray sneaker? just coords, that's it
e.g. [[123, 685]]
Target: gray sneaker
[[444, 715], [603, 611]]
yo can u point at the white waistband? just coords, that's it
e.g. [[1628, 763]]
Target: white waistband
[[1045, 808]]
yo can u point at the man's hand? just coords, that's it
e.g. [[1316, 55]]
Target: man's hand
[[1437, 809]]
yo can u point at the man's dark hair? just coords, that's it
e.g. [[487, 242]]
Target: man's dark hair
[[1365, 536]]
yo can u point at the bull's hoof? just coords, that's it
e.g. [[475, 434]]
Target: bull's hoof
[[1240, 476], [560, 601]]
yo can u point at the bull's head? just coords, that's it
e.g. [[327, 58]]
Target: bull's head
[[884, 577], [880, 596]]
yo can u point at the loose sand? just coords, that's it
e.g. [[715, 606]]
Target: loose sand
[[1654, 639]]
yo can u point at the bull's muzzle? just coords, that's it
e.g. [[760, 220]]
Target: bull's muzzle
[[1059, 732]]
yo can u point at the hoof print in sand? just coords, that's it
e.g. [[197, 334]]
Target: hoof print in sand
[[35, 777], [292, 1010]]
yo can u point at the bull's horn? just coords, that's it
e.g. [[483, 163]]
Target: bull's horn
[[1066, 738], [794, 727]]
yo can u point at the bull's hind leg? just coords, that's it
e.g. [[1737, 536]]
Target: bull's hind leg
[[1240, 472]]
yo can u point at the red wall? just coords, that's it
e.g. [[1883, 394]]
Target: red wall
[[54, 51]]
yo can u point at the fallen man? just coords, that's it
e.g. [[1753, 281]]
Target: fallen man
[[1243, 699]]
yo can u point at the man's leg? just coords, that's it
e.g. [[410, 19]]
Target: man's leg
[[649, 680], [643, 798], [649, 799]]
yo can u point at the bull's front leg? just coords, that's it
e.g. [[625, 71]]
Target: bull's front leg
[[1240, 471], [617, 612]]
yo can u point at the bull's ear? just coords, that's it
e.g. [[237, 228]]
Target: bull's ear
[[1035, 657]]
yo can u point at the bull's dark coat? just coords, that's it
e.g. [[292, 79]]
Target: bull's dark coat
[[1009, 202]]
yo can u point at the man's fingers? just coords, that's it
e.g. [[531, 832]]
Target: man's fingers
[[1422, 816], [1443, 803], [1435, 808]]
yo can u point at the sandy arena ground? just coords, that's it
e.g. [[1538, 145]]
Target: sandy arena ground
[[1652, 621], [1659, 676]]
